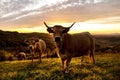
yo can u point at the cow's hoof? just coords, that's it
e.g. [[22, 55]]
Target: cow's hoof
[[65, 71]]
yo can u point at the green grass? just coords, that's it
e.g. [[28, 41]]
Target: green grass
[[107, 67]]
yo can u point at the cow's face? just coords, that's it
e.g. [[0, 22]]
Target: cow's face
[[31, 42], [58, 31]]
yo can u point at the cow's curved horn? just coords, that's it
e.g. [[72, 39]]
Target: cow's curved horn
[[46, 25], [72, 25]]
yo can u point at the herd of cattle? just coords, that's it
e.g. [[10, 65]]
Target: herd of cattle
[[68, 45]]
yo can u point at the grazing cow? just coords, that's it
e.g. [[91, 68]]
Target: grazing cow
[[36, 46], [72, 45], [21, 56]]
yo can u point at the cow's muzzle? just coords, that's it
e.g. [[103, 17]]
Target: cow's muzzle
[[30, 47], [57, 39]]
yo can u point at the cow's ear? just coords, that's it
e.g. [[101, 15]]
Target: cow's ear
[[65, 30], [50, 30]]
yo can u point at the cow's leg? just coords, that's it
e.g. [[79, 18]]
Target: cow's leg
[[82, 60], [65, 64], [40, 54], [68, 61], [92, 56], [32, 55]]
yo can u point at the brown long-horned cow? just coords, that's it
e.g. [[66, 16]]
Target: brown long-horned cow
[[36, 46], [72, 45]]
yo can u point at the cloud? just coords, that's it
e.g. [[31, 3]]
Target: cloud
[[8, 6], [32, 13], [112, 20], [73, 11]]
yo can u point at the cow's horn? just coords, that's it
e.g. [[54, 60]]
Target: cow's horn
[[46, 25], [72, 25]]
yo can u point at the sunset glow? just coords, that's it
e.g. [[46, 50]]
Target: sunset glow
[[95, 16], [95, 28]]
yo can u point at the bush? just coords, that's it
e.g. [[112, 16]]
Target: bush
[[11, 58], [4, 56]]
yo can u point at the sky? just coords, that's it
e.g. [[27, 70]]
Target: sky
[[95, 16]]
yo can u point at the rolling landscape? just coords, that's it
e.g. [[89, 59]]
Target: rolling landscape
[[23, 56], [11, 68]]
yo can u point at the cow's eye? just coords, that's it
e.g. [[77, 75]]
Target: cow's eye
[[52, 30], [63, 31]]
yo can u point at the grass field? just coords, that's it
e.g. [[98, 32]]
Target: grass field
[[107, 67]]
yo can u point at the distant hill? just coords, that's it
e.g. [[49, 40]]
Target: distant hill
[[105, 42], [111, 40], [14, 41]]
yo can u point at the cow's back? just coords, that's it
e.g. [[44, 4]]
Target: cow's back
[[40, 45], [84, 39], [79, 44], [43, 45]]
